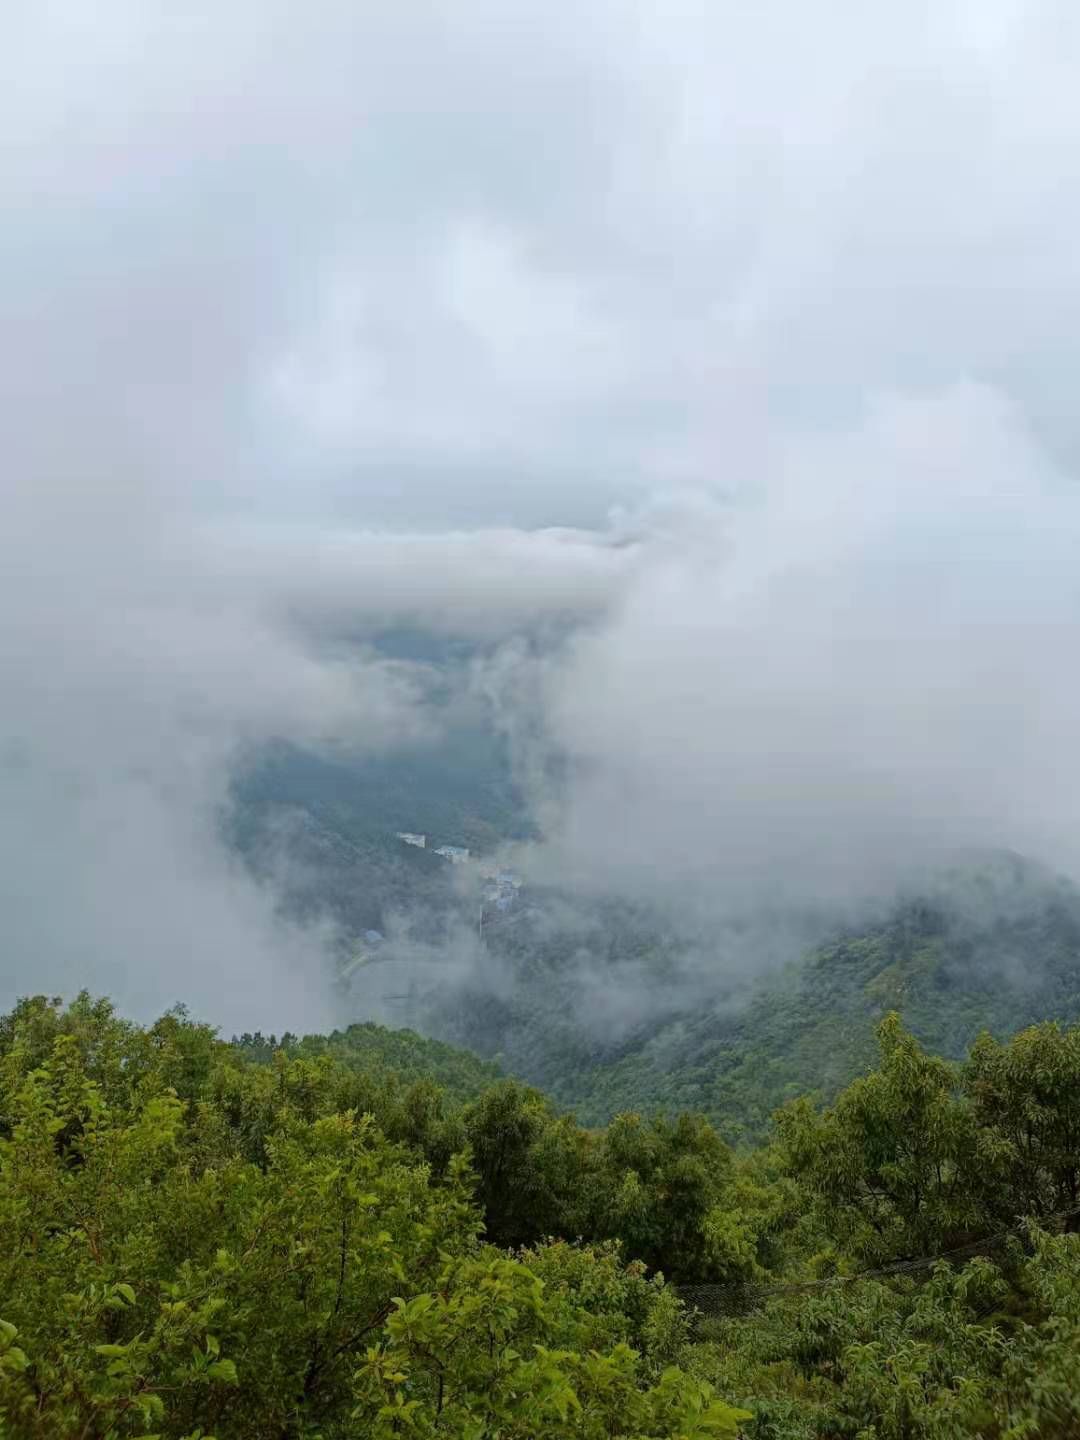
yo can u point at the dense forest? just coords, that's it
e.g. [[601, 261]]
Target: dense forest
[[369, 1234]]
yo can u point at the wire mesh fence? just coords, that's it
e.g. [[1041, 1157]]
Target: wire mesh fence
[[732, 1301]]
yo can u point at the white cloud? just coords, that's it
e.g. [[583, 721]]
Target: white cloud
[[809, 694], [427, 291]]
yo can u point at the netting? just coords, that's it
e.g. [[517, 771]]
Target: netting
[[731, 1301]]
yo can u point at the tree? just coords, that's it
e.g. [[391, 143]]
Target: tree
[[897, 1163], [255, 1258], [521, 1166], [474, 1358], [150, 1289], [1027, 1093]]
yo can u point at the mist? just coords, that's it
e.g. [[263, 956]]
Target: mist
[[709, 376], [809, 692]]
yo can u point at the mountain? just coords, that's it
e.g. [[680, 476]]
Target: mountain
[[993, 945], [612, 1006]]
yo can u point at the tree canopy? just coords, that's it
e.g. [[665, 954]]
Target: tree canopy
[[214, 1240]]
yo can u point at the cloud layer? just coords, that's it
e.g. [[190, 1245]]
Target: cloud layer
[[804, 695], [741, 340]]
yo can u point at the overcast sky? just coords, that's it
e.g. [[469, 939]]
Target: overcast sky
[[328, 311]]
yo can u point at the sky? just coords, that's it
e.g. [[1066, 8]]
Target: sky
[[739, 339]]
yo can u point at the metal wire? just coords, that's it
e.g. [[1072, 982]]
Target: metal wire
[[735, 1300]]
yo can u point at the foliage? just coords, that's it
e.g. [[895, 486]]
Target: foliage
[[389, 1057], [898, 1159], [203, 1239], [256, 1259], [476, 1358], [1026, 1092]]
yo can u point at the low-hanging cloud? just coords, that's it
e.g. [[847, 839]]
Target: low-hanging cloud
[[480, 585], [857, 667], [731, 349], [136, 681]]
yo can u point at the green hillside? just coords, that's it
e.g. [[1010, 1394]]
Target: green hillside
[[387, 1057], [992, 947]]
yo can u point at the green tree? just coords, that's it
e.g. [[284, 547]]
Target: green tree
[[897, 1164], [196, 1245], [473, 1358], [1027, 1095], [527, 1162], [142, 1280]]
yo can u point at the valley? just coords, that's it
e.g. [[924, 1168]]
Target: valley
[[611, 1005]]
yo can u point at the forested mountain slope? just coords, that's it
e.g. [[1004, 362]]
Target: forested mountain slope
[[993, 946]]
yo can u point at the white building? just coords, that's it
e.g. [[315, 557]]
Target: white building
[[456, 854]]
